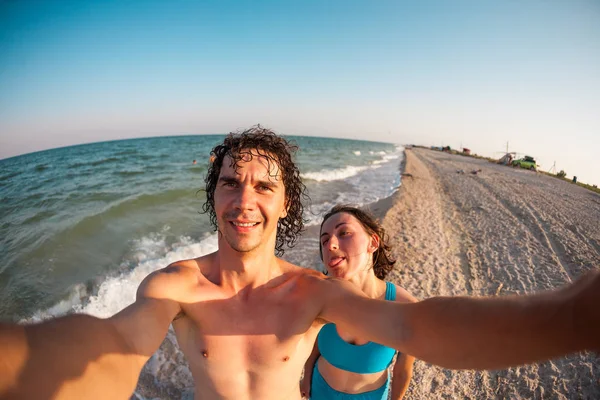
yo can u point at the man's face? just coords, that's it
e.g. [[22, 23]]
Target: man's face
[[248, 203]]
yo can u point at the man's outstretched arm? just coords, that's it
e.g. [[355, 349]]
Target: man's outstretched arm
[[477, 333], [81, 355]]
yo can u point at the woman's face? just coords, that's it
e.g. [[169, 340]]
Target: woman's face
[[347, 248]]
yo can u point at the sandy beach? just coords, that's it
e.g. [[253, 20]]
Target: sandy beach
[[500, 231]]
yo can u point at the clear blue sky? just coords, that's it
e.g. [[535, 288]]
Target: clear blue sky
[[476, 73]]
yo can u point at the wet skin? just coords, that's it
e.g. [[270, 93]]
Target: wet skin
[[248, 320], [246, 345]]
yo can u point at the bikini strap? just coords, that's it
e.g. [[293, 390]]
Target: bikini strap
[[390, 291]]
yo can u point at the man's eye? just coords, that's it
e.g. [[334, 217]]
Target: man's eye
[[264, 188]]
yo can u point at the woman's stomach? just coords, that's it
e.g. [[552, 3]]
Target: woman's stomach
[[350, 382]]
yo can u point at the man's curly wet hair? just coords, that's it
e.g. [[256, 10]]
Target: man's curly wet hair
[[383, 262], [239, 146]]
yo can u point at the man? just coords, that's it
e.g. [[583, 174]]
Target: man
[[247, 320]]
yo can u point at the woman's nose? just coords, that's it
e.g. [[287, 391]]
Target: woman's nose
[[333, 243]]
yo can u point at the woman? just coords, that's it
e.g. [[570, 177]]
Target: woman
[[343, 366]]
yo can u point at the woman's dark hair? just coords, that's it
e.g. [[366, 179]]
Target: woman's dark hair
[[242, 146], [383, 262]]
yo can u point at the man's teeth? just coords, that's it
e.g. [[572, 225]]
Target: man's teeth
[[245, 223]]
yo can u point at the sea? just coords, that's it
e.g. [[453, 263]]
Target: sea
[[81, 226]]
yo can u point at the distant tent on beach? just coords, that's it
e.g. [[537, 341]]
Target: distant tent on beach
[[506, 159]]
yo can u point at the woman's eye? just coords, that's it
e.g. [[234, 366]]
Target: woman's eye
[[324, 242]]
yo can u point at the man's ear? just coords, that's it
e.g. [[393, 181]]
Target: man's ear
[[284, 212]]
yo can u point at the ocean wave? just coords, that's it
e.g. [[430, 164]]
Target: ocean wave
[[386, 158], [132, 204], [86, 198], [114, 213], [126, 152], [77, 165], [40, 216], [335, 174], [9, 175], [129, 173], [318, 210], [117, 292], [34, 196], [105, 161], [83, 164]]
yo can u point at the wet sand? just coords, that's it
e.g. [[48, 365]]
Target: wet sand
[[500, 231]]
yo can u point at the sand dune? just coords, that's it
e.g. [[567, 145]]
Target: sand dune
[[499, 231]]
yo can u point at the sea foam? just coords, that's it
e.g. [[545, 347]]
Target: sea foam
[[117, 292], [335, 174]]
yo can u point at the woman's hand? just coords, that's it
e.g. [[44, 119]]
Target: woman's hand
[[305, 385], [306, 380]]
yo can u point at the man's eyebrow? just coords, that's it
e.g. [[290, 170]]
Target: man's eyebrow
[[270, 184], [335, 227], [231, 179], [228, 179]]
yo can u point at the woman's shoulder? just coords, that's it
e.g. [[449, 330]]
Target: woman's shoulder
[[403, 296]]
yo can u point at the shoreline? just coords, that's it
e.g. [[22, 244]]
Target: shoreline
[[380, 208], [494, 232]]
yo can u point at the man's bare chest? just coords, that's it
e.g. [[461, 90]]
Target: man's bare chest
[[261, 333]]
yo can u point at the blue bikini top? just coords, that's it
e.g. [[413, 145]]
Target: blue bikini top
[[361, 359]]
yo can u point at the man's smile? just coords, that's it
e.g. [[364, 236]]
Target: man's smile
[[244, 224]]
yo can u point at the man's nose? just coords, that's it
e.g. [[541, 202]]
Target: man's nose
[[246, 199]]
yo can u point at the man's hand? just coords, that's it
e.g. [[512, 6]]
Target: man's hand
[[79, 354], [475, 333], [585, 294], [66, 357]]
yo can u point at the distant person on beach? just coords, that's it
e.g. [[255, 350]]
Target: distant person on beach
[[353, 247], [247, 320], [194, 162]]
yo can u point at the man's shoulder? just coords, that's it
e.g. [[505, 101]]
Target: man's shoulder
[[177, 270], [321, 285], [308, 280], [175, 277], [299, 272]]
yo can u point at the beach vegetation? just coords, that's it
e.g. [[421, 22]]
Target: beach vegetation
[[562, 175]]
